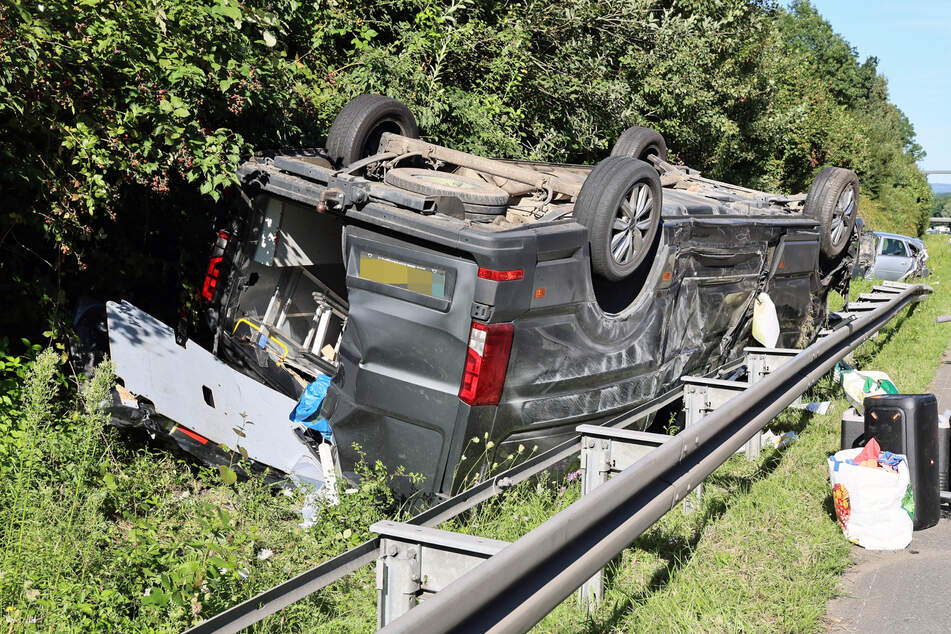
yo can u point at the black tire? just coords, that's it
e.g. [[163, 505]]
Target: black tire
[[468, 189], [355, 133], [833, 200], [640, 143], [621, 197]]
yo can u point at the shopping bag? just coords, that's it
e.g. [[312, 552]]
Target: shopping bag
[[874, 506], [860, 384]]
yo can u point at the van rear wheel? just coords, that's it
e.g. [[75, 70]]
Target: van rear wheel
[[359, 126], [640, 143], [620, 203]]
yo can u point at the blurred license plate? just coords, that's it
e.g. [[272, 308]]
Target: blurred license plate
[[412, 277]]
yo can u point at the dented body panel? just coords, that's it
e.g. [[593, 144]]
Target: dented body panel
[[571, 362]]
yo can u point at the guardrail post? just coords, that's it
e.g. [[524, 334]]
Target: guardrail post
[[696, 405], [416, 561], [701, 397], [595, 470], [760, 363], [605, 451]]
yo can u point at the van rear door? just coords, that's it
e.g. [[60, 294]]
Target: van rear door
[[402, 356]]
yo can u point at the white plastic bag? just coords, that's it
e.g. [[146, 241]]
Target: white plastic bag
[[874, 506], [860, 384], [765, 321]]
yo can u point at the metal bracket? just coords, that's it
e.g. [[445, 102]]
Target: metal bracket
[[703, 395], [416, 561], [342, 191], [606, 451]]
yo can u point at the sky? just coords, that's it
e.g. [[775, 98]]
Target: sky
[[912, 41]]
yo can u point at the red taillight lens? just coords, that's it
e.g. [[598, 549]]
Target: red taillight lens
[[214, 267], [211, 279], [487, 360], [501, 276]]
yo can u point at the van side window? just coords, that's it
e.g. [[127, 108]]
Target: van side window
[[890, 246]]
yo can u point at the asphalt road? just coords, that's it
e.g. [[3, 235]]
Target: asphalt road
[[900, 591]]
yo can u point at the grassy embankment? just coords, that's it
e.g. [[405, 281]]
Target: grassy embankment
[[101, 530]]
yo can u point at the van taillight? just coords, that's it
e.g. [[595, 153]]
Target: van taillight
[[501, 276], [487, 360], [214, 267]]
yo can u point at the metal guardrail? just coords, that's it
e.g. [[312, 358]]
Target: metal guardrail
[[279, 597], [514, 589]]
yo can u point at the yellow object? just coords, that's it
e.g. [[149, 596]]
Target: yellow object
[[402, 275], [270, 337]]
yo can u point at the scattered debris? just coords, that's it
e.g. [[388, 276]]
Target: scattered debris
[[765, 321], [779, 441], [264, 554], [821, 408]]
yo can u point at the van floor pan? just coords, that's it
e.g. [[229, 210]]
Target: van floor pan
[[192, 387]]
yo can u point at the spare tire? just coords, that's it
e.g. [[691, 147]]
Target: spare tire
[[640, 143], [356, 132], [620, 203], [833, 200], [477, 196]]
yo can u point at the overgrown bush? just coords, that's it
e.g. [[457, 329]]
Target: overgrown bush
[[135, 109]]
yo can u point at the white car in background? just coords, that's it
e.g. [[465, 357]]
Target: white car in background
[[896, 257]]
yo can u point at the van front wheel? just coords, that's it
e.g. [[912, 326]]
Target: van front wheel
[[620, 203]]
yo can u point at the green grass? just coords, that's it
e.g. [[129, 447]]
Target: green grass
[[102, 530]]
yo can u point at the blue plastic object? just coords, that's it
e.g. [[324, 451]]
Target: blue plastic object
[[307, 408]]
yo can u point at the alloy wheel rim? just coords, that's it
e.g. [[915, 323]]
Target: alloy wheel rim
[[843, 211], [632, 223]]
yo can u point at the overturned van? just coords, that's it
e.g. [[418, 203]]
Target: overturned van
[[452, 297]]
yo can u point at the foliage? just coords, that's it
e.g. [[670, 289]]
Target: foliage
[[130, 112], [941, 206]]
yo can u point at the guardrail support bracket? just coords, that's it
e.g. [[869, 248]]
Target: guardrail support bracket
[[416, 561]]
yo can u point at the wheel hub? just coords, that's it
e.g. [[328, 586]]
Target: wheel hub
[[632, 223], [844, 209]]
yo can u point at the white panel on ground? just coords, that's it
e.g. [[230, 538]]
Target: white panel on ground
[[193, 388]]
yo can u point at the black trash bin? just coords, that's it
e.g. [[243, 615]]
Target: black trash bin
[[908, 424]]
